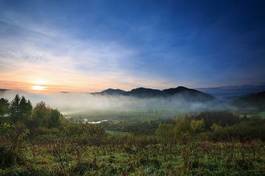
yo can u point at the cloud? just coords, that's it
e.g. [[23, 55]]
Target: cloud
[[95, 45], [30, 52]]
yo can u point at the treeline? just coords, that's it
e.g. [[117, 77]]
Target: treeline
[[20, 110], [212, 126], [19, 122], [42, 124], [217, 126], [23, 126]]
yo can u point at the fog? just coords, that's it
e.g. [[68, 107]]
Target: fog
[[75, 103]]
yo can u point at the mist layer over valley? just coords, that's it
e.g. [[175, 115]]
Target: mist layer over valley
[[102, 106]]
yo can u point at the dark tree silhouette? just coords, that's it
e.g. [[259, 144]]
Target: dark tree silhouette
[[54, 120], [3, 107], [20, 109], [25, 108], [14, 109]]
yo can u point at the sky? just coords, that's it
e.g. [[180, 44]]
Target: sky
[[93, 45]]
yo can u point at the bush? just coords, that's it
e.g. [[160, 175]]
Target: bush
[[21, 171], [251, 129], [9, 158], [222, 118]]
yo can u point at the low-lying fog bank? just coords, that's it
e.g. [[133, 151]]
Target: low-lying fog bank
[[75, 103]]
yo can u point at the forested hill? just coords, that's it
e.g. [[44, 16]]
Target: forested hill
[[141, 92], [255, 100]]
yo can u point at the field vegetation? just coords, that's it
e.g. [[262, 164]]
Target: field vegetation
[[39, 141]]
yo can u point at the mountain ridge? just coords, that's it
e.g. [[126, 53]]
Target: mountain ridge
[[232, 92], [256, 100], [142, 92]]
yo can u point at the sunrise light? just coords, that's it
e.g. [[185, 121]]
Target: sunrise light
[[39, 85]]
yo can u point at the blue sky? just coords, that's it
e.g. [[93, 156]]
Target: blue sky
[[92, 45]]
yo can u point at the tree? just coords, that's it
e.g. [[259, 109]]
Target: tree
[[20, 109], [15, 113], [54, 120], [197, 125], [40, 114], [45, 116], [215, 127], [3, 107], [183, 129], [12, 150], [25, 108]]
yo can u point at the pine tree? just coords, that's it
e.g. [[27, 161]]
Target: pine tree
[[3, 107], [15, 112], [54, 120], [25, 109]]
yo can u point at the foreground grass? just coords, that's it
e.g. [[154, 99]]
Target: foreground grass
[[204, 158]]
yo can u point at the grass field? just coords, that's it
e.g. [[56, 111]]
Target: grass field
[[203, 158]]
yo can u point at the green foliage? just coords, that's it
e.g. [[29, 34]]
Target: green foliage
[[215, 127], [14, 109], [249, 129], [25, 109], [20, 109], [222, 118], [208, 143], [22, 171], [13, 142], [181, 131], [203, 158], [40, 115], [84, 129], [183, 126], [44, 116], [89, 134], [166, 133], [197, 125], [3, 107], [133, 126], [55, 118]]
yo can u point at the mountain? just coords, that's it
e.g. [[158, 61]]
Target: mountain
[[255, 100], [111, 91], [141, 92], [188, 94], [145, 92], [233, 92]]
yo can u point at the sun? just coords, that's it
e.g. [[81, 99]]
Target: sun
[[39, 85]]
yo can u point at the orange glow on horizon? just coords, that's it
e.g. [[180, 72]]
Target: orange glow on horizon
[[63, 82], [35, 87], [47, 86]]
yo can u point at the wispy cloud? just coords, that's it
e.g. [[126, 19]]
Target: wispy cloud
[[92, 45], [29, 53]]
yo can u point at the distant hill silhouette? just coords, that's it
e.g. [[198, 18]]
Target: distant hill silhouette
[[233, 92], [188, 94], [141, 92], [111, 91], [255, 100], [145, 92]]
